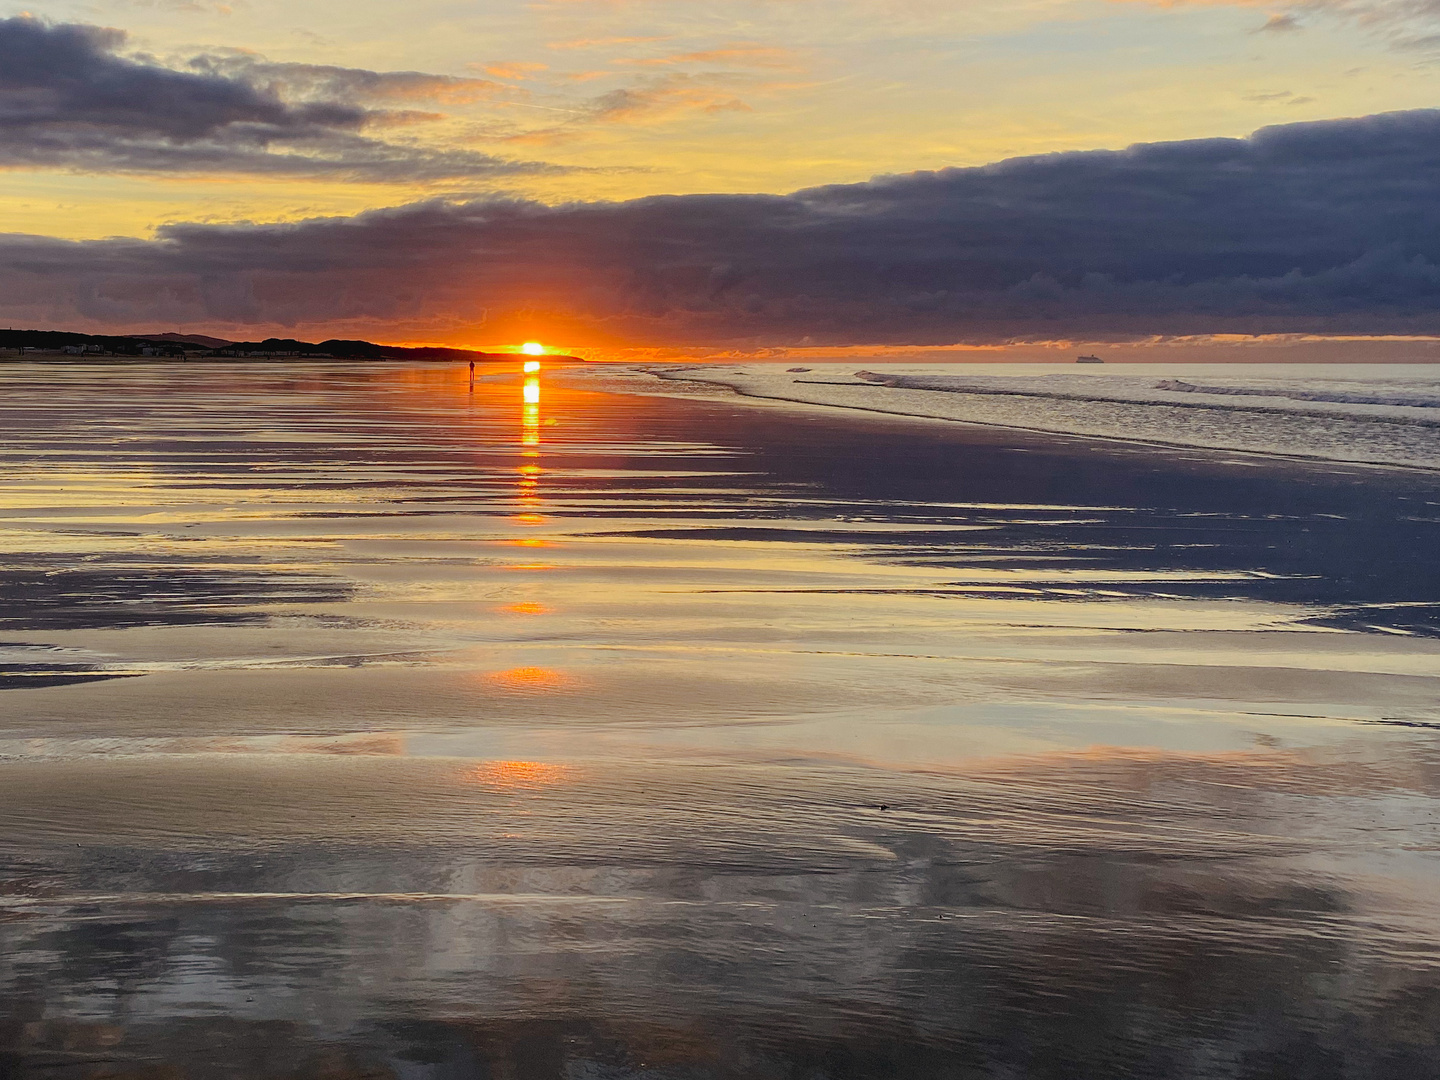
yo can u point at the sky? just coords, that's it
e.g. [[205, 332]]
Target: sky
[[727, 175]]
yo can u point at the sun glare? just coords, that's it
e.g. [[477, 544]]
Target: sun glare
[[533, 348], [532, 366]]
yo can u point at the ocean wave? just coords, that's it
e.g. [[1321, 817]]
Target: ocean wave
[[1353, 414], [1343, 397], [1144, 392]]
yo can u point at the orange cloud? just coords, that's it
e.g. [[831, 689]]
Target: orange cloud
[[664, 99], [513, 69], [655, 102]]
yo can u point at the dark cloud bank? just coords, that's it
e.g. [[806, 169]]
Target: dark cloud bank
[[1321, 227], [69, 99]]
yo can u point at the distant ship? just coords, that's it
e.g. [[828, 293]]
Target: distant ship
[[1088, 360]]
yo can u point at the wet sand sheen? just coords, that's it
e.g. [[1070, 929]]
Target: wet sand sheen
[[609, 735]]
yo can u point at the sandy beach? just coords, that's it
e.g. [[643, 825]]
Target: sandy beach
[[356, 722]]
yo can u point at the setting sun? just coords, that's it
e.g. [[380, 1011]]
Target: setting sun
[[533, 348]]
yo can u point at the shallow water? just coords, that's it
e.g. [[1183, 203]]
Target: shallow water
[[1380, 414], [355, 723]]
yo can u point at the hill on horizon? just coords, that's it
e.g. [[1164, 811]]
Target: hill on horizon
[[203, 346], [187, 339]]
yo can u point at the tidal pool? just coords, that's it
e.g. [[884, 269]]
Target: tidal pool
[[355, 722]]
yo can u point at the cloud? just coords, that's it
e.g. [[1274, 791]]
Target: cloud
[[514, 70], [1278, 97], [1402, 24], [70, 100], [205, 7], [1324, 227], [662, 99], [323, 82], [654, 101], [731, 56], [604, 42], [1280, 24]]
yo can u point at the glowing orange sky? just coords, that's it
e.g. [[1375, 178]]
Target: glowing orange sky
[[576, 102], [641, 97]]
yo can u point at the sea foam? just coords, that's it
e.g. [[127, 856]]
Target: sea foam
[[1364, 414]]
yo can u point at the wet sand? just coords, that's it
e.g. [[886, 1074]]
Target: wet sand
[[353, 723]]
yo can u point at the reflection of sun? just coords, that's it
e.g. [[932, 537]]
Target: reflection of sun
[[530, 423], [529, 678], [519, 775], [533, 348], [532, 366], [526, 608]]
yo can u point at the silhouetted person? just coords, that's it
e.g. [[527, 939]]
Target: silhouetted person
[[472, 375]]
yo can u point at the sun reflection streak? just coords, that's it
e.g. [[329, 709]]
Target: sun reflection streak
[[530, 679], [529, 506], [530, 430], [519, 775], [528, 483]]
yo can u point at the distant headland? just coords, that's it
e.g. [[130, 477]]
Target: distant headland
[[63, 344]]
